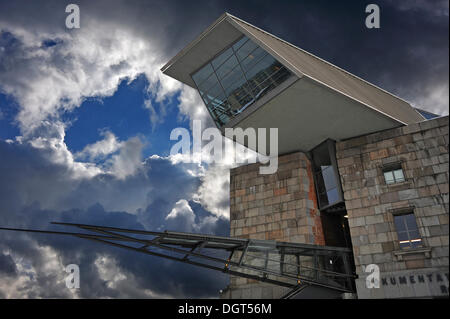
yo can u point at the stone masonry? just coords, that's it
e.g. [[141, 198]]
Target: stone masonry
[[280, 206], [421, 150]]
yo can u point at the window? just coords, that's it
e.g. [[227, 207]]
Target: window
[[407, 231], [325, 175], [237, 78], [393, 174]]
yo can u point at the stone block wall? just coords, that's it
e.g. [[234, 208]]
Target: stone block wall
[[422, 151], [280, 206]]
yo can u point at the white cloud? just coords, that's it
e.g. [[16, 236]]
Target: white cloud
[[435, 99], [192, 106], [129, 159], [32, 273], [98, 150], [182, 215], [214, 191], [88, 63], [49, 136]]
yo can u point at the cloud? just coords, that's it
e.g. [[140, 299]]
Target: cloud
[[89, 62], [155, 116], [182, 216], [98, 150], [214, 191], [143, 200], [50, 71], [129, 159], [7, 265]]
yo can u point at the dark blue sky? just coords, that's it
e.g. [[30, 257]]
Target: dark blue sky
[[124, 115]]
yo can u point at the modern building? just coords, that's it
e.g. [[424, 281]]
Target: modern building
[[358, 166]]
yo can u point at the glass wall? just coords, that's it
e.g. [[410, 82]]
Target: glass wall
[[237, 78]]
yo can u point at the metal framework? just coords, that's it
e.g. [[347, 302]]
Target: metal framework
[[291, 265]]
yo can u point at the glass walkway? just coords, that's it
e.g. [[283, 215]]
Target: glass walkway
[[290, 265]]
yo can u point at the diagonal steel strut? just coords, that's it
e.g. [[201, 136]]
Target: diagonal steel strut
[[247, 258]]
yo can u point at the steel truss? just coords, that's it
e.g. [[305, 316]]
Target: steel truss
[[291, 265]]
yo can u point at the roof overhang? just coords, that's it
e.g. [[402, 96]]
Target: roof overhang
[[306, 113], [209, 43], [321, 101]]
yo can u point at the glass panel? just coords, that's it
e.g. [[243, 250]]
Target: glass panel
[[281, 75], [238, 44], [261, 70], [226, 67], [217, 100], [399, 223], [332, 196], [398, 174], [407, 232], [410, 221], [202, 74], [239, 91], [389, 177], [221, 58], [233, 80], [320, 183], [323, 199], [414, 235], [214, 91], [240, 102], [325, 178], [329, 177], [249, 62], [206, 85], [241, 95], [245, 50], [402, 236], [405, 244]]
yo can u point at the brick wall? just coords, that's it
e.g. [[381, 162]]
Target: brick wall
[[280, 206], [422, 151]]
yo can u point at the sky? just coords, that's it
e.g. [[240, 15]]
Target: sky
[[86, 115]]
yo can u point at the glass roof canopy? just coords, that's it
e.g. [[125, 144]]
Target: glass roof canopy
[[236, 78]]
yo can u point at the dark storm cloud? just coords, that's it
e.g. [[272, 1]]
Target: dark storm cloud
[[7, 265], [23, 209], [407, 56]]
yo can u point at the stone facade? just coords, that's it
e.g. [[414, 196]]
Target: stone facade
[[421, 150], [283, 207], [280, 206]]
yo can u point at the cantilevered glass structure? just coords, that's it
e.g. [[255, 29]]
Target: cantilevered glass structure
[[249, 78], [236, 78]]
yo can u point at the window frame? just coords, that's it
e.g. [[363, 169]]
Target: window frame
[[391, 168], [218, 118], [407, 231]]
